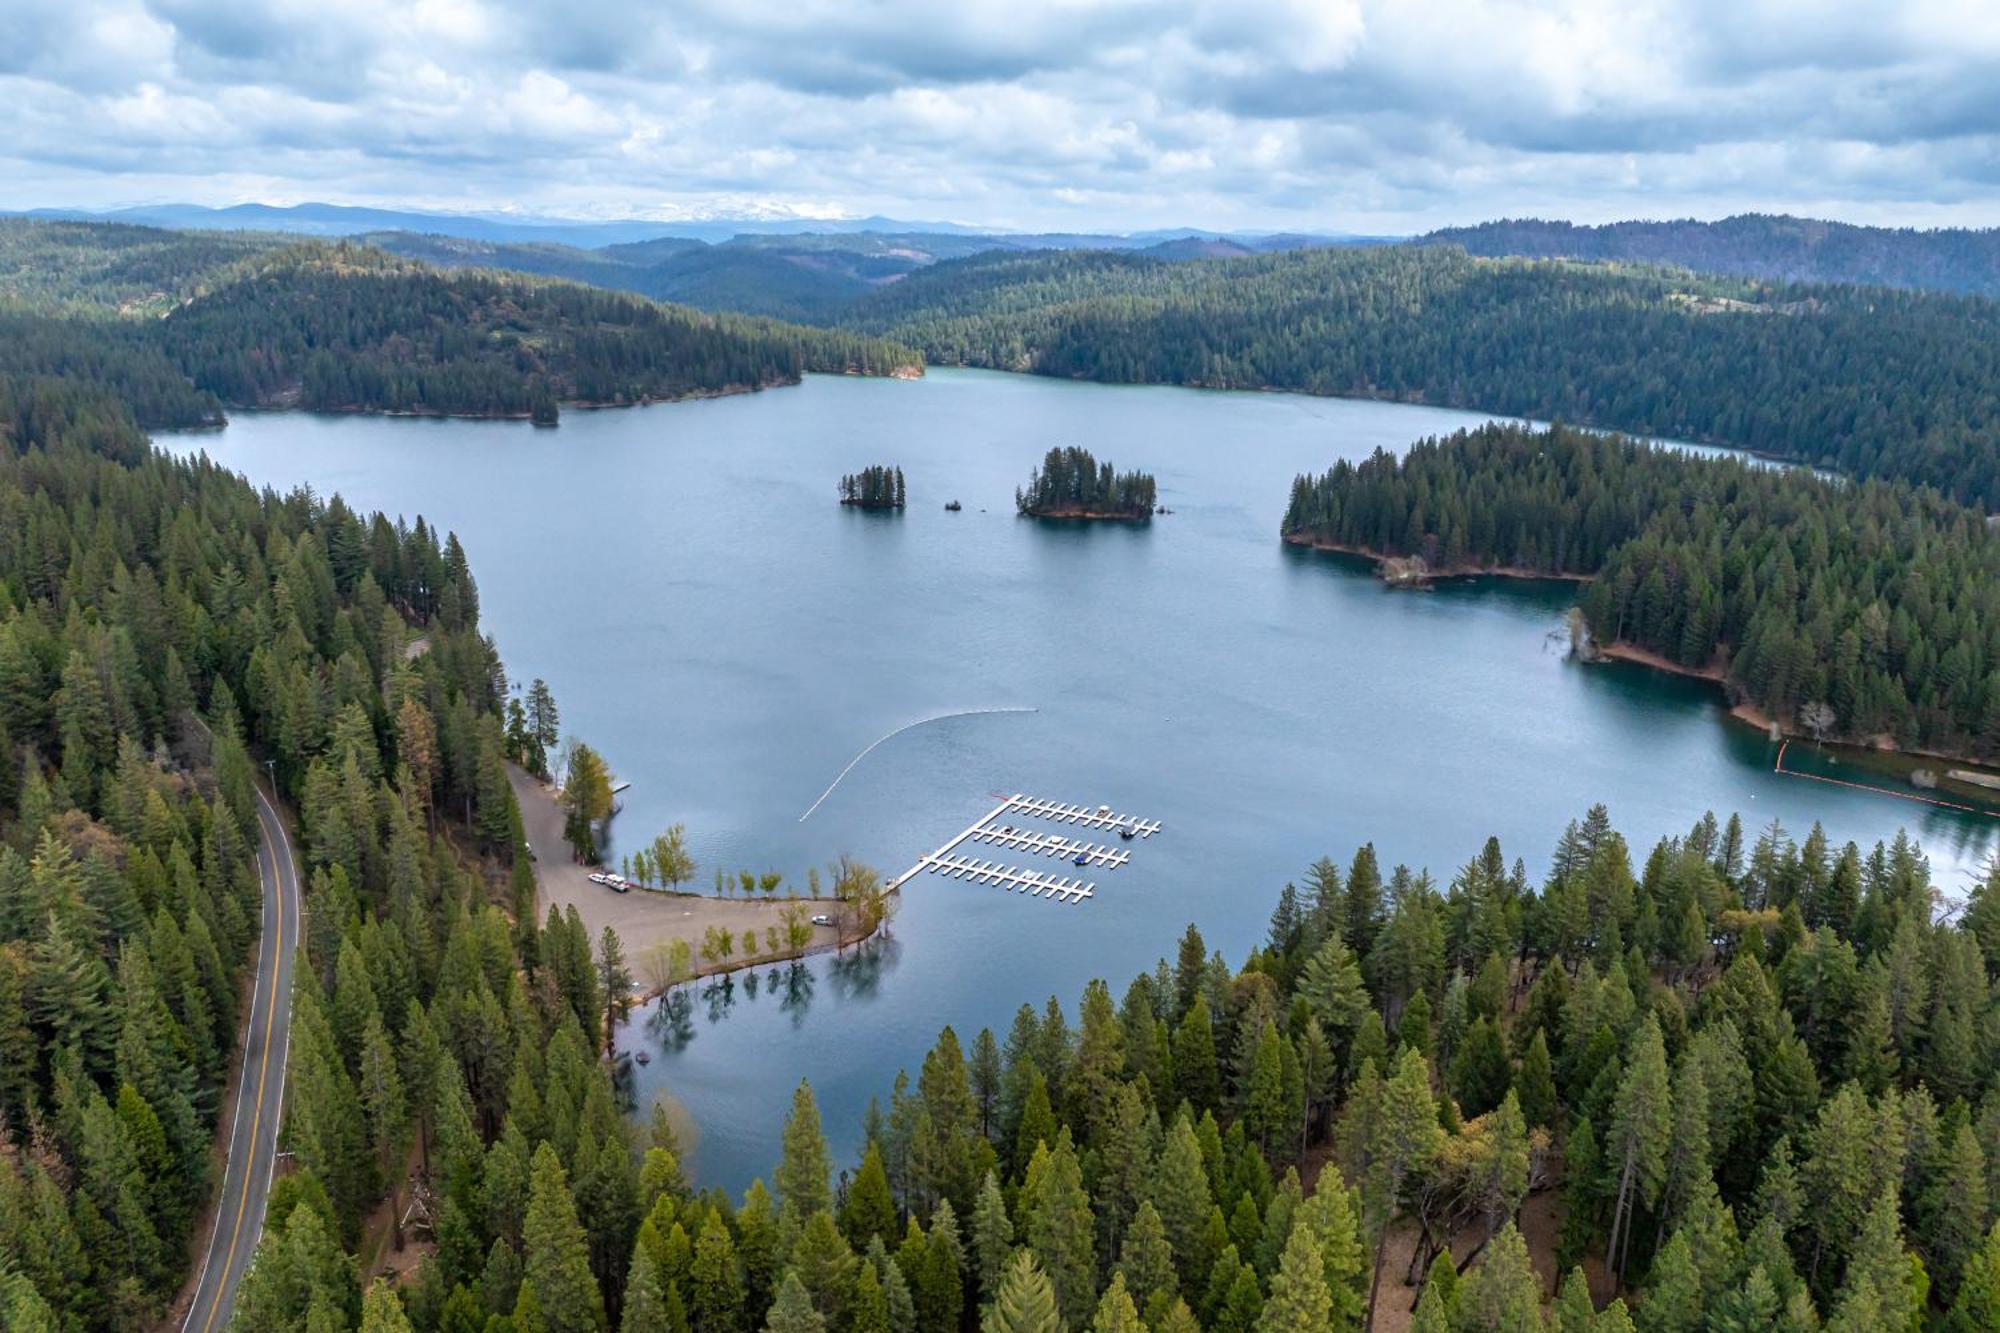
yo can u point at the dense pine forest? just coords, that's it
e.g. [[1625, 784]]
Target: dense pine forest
[[1758, 245], [159, 620], [1071, 483], [1874, 383], [1742, 1082], [874, 487], [348, 328], [1879, 601]]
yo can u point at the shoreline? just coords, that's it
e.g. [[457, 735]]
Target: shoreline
[[1715, 673], [1086, 515], [1461, 570], [1413, 398], [648, 919]]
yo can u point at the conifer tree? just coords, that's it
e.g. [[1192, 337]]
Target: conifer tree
[[1403, 1137], [868, 1210], [992, 1236], [556, 1253], [1300, 1302], [804, 1166], [1059, 1229], [793, 1311], [1026, 1302], [1641, 1126], [1502, 1294], [715, 1279], [1116, 1312]]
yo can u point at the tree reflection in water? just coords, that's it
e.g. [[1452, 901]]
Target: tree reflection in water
[[857, 974], [854, 975], [671, 1022]]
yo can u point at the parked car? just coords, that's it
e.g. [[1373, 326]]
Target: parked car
[[822, 920], [598, 877]]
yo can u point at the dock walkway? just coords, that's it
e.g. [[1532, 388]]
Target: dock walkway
[[947, 861]]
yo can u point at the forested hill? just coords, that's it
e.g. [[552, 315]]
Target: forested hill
[[348, 328], [1758, 245], [1871, 382], [1852, 610]]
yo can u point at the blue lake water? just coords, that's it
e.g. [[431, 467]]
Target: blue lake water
[[731, 638]]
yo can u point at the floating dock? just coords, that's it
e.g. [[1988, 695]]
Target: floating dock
[[947, 861]]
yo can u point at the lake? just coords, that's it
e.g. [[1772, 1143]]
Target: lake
[[732, 638]]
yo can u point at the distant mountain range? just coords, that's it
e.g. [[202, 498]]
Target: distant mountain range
[[811, 277], [811, 270], [1758, 245], [311, 219]]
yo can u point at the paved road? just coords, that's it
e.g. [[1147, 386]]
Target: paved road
[[260, 1086]]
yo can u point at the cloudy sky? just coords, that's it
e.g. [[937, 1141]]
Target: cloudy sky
[[1356, 115]]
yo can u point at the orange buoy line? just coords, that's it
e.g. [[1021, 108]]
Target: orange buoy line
[[1779, 767]]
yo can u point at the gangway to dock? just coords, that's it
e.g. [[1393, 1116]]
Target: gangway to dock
[[947, 860]]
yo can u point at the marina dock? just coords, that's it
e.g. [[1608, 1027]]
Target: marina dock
[[950, 863]]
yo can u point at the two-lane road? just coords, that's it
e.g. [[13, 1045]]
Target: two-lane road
[[260, 1085]]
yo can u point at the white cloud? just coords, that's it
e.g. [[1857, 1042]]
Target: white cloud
[[1358, 114]]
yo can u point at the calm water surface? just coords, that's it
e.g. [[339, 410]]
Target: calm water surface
[[731, 638]]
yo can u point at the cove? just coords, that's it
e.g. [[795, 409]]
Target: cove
[[731, 637]]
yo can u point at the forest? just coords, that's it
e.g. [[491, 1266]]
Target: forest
[[160, 620], [1879, 600], [1758, 245], [1071, 483], [344, 327], [1867, 381], [874, 487]]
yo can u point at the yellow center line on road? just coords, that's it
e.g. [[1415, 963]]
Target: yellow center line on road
[[263, 1068]]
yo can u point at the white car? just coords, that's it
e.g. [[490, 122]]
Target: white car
[[822, 920], [599, 877]]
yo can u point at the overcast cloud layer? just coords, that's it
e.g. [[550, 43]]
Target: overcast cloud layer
[[1356, 115]]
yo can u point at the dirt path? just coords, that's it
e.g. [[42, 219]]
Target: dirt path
[[641, 919]]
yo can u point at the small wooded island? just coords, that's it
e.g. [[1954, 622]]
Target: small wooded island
[[873, 488], [1072, 484]]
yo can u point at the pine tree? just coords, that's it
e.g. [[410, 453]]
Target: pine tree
[[1535, 1081], [793, 1311], [1182, 1198], [645, 1305], [1300, 1302], [1146, 1263], [868, 1305], [1117, 1313], [992, 1236], [382, 1310], [1673, 1302], [715, 1280], [1197, 1076], [1026, 1302], [1641, 1125], [1058, 1228], [1978, 1303], [822, 1261], [1403, 1138], [868, 1210], [804, 1166], [1501, 1295], [1879, 1291], [556, 1253]]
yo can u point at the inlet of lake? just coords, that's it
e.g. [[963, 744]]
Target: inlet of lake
[[731, 638]]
